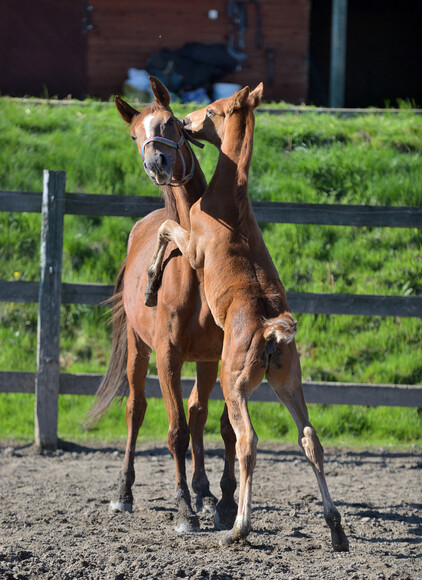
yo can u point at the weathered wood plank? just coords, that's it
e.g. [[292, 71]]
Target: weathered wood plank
[[49, 302], [315, 392], [299, 302], [338, 215], [29, 201], [356, 304], [111, 205], [265, 211]]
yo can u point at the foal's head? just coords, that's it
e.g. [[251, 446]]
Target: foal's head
[[156, 132], [209, 124]]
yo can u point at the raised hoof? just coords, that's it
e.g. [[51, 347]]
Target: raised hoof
[[118, 506], [206, 504], [151, 291], [150, 299]]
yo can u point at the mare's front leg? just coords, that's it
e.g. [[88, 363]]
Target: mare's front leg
[[206, 376], [169, 366], [284, 376], [137, 368], [168, 231]]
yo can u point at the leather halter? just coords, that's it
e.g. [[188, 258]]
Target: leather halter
[[184, 137]]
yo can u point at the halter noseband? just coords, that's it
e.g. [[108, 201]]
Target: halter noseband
[[184, 136]]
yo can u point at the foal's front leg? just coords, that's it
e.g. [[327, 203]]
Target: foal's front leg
[[168, 231]]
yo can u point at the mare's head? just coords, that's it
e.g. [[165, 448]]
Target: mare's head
[[156, 132], [209, 124]]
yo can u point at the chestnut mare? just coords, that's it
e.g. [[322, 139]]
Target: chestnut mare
[[246, 297], [180, 328]]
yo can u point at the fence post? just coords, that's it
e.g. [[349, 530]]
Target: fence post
[[47, 378]]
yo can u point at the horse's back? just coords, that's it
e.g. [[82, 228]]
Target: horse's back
[[181, 316]]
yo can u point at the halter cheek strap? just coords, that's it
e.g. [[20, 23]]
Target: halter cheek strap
[[185, 176]]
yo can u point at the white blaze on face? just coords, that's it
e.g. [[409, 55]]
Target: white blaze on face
[[148, 126]]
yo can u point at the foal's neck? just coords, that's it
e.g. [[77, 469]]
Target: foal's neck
[[228, 189]]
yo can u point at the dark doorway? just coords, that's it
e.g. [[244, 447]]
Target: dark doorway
[[42, 48], [384, 52]]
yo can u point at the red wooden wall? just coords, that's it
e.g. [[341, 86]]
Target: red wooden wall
[[127, 32]]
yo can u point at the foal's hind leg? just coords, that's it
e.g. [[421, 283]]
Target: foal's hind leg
[[206, 375], [227, 507], [284, 376], [169, 365], [137, 367]]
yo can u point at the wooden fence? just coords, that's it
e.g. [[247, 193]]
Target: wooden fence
[[50, 293]]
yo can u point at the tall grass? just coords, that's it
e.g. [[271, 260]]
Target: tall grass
[[373, 159]]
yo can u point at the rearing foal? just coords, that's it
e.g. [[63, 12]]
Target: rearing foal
[[246, 297]]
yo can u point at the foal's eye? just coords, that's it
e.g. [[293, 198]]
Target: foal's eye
[[133, 137], [210, 113]]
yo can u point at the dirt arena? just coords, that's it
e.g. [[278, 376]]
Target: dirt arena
[[55, 522]]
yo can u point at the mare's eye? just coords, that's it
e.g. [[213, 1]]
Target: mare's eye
[[133, 137]]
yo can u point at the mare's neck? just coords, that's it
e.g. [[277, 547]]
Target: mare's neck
[[179, 199]]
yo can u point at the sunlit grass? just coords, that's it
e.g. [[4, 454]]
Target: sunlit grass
[[335, 424], [313, 158]]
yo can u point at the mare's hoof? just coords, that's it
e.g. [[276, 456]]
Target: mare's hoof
[[206, 504], [118, 506], [188, 525], [339, 539], [225, 517]]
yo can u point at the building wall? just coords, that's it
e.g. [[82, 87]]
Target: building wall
[[127, 32]]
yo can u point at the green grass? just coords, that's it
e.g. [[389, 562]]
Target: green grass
[[314, 158], [336, 425]]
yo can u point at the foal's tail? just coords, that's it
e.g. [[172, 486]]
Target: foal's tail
[[280, 329], [114, 381]]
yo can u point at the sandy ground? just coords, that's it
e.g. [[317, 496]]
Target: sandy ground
[[55, 521]]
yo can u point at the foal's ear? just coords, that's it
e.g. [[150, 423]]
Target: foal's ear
[[160, 92], [126, 111], [256, 95], [237, 101]]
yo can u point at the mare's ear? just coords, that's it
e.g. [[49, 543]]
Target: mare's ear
[[126, 111], [256, 95], [237, 101], [160, 92]]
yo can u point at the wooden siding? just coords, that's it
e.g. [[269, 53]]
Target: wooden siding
[[128, 32]]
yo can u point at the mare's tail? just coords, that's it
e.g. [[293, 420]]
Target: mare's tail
[[280, 329], [114, 381]]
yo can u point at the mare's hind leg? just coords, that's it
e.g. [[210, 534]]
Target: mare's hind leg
[[285, 378], [227, 507], [169, 366], [206, 375], [137, 367]]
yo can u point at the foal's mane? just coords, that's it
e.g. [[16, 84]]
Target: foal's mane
[[241, 190]]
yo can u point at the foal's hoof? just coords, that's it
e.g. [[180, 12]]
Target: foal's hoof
[[151, 291], [118, 506], [150, 298]]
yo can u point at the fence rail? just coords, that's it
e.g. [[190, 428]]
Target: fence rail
[[50, 293]]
